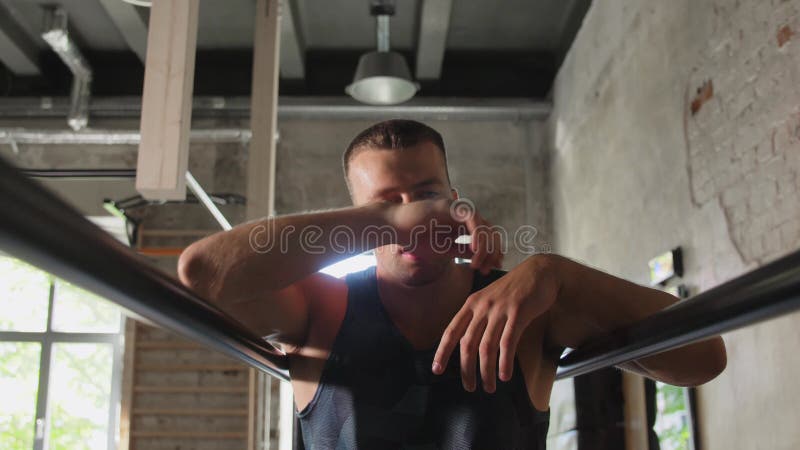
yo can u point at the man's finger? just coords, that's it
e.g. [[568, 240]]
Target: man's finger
[[479, 248], [473, 221], [469, 350], [494, 262], [488, 264], [495, 250], [488, 352], [451, 336], [508, 348]]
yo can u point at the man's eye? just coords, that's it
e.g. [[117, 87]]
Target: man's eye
[[428, 194]]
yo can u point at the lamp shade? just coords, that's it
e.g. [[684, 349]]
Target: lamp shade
[[382, 78]]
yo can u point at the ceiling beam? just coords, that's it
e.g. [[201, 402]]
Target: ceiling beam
[[18, 52], [130, 24], [434, 21], [263, 111], [292, 58], [167, 100]]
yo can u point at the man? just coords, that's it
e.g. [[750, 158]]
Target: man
[[391, 357]]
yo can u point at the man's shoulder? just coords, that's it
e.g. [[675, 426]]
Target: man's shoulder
[[320, 290]]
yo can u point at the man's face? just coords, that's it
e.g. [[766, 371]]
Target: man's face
[[402, 176]]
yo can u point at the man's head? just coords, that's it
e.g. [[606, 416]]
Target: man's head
[[397, 135], [399, 161]]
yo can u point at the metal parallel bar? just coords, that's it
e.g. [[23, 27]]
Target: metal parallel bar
[[80, 173], [767, 292], [38, 227]]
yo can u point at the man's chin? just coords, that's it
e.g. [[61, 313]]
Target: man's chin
[[415, 270], [412, 258], [419, 278]]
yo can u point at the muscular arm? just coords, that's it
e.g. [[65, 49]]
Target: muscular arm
[[591, 303], [579, 304], [273, 253], [262, 272]]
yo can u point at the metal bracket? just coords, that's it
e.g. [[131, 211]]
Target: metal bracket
[[382, 8]]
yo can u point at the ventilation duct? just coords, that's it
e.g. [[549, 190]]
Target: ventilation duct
[[56, 35]]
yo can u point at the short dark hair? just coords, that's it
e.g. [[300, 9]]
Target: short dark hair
[[395, 134]]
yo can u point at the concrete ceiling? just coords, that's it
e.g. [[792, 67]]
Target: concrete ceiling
[[529, 35], [89, 23]]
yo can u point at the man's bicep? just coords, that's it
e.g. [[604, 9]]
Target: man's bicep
[[284, 315]]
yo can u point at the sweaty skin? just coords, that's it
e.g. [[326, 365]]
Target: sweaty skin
[[541, 306]]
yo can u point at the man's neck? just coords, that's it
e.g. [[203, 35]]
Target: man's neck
[[452, 276], [421, 312]]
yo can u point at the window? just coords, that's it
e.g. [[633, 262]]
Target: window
[[350, 265], [673, 417], [60, 363]]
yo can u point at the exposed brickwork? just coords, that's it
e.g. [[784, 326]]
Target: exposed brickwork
[[784, 35], [634, 173], [744, 143], [704, 94]]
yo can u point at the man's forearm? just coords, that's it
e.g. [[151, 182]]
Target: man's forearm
[[690, 365], [272, 253], [592, 303]]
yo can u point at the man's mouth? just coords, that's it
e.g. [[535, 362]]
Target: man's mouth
[[409, 256]]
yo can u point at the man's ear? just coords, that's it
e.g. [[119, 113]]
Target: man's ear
[[454, 193]]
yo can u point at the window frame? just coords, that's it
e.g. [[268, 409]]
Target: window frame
[[46, 339]]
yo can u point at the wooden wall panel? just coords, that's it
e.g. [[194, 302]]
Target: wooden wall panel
[[182, 395]]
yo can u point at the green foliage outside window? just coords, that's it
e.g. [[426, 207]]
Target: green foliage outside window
[[79, 375], [19, 379], [672, 423]]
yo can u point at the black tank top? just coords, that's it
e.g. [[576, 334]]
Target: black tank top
[[377, 392]]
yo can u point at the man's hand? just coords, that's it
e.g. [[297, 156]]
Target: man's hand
[[581, 304], [494, 318], [428, 227]]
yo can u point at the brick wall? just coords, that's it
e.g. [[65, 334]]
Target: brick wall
[[676, 123], [743, 127]]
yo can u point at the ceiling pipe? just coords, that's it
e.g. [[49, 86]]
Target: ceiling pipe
[[383, 32], [297, 108], [112, 137], [56, 34]]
